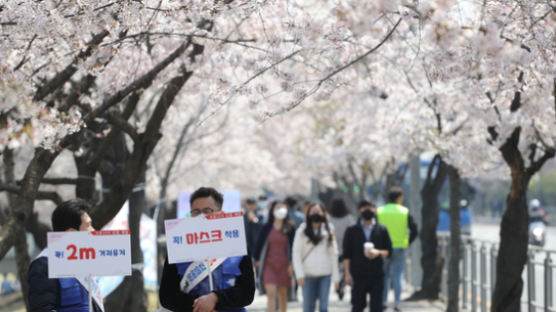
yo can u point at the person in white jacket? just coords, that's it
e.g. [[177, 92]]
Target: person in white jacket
[[314, 258]]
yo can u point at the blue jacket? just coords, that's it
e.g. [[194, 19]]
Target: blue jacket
[[62, 295], [223, 278], [234, 283]]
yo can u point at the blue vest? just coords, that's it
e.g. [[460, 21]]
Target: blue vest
[[223, 277], [73, 296]]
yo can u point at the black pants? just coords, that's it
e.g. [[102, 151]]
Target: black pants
[[363, 286]]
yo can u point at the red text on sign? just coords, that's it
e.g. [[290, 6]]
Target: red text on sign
[[84, 253]]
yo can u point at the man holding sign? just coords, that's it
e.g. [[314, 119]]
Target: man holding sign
[[186, 286], [63, 294]]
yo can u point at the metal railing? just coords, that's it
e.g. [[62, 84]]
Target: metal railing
[[478, 275]]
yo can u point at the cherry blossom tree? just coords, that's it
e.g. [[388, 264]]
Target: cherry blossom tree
[[490, 62], [80, 76]]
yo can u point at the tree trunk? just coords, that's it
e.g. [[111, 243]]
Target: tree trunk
[[130, 295], [38, 230], [455, 240], [85, 187], [431, 259], [512, 254], [22, 257]]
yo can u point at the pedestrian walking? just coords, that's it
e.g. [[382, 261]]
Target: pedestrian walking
[[273, 256], [341, 219], [314, 258], [366, 244], [252, 224], [398, 221]]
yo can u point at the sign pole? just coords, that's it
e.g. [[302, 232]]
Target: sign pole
[[90, 295], [210, 275]]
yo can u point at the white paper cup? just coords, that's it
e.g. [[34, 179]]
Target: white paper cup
[[368, 246]]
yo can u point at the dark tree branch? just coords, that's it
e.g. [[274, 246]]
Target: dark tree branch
[[40, 195], [335, 72], [362, 56], [436, 159], [24, 58], [532, 152], [490, 97], [52, 196], [437, 115], [554, 95], [142, 150], [62, 77], [516, 102], [10, 188], [549, 152], [511, 155], [104, 212], [77, 89], [59, 181], [23, 207], [98, 155], [139, 83], [537, 165], [122, 124]]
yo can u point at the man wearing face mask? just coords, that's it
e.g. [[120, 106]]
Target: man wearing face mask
[[365, 246], [234, 281]]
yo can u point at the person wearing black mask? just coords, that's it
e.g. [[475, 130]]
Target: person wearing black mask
[[365, 246], [314, 258]]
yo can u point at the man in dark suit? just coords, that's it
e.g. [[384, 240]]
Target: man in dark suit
[[234, 278], [365, 246]]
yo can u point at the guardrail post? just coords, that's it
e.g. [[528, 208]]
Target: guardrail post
[[483, 282], [446, 255], [493, 255], [465, 276], [473, 278], [547, 282], [531, 281]]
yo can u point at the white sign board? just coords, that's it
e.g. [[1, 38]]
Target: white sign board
[[80, 254], [215, 236], [232, 202]]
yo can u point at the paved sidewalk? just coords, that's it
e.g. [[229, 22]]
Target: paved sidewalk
[[335, 305]]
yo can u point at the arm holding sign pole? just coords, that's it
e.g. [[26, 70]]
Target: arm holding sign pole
[[243, 292], [170, 295]]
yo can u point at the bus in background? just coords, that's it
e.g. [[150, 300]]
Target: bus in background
[[444, 217]]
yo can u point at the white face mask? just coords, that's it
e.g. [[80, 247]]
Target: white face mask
[[281, 213]]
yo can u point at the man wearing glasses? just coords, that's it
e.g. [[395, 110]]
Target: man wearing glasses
[[234, 281]]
